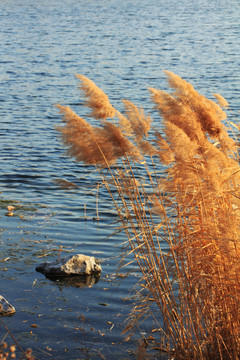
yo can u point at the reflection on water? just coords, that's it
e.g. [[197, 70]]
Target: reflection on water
[[122, 47], [75, 281]]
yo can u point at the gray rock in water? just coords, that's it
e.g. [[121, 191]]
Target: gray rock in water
[[5, 307], [72, 265]]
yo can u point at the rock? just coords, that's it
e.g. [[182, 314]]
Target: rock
[[9, 214], [71, 266], [5, 307], [10, 208]]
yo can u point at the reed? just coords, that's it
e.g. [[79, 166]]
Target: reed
[[176, 192]]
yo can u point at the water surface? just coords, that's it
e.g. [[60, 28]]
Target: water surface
[[123, 47]]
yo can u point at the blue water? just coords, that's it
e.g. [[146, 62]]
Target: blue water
[[123, 47]]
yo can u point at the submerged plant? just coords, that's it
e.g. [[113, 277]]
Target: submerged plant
[[176, 192]]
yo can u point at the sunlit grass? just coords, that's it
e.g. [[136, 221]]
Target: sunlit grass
[[176, 193]]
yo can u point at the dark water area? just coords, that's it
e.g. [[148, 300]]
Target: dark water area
[[123, 47]]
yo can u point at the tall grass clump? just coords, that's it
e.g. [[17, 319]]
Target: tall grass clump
[[176, 192]]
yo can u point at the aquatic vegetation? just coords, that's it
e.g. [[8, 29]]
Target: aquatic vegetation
[[176, 192], [8, 352], [16, 208]]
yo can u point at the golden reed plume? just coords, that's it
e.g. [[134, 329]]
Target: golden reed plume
[[96, 99], [221, 101], [99, 145]]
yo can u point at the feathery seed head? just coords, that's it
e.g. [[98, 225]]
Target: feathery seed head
[[221, 101], [97, 100]]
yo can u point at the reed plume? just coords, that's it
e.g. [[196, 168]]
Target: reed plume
[[179, 208], [96, 99], [94, 145], [221, 101], [139, 123]]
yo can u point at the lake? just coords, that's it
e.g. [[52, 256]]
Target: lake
[[123, 47]]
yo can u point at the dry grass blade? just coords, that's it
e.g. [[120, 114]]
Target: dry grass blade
[[9, 352]]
